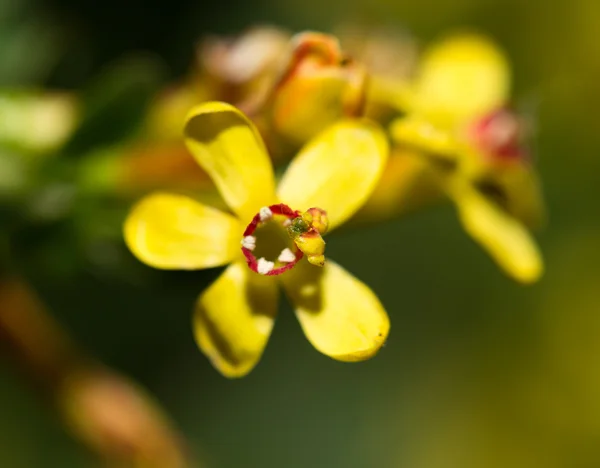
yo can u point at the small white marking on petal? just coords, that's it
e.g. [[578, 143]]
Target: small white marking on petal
[[265, 213], [249, 242], [287, 222], [286, 256], [264, 266]]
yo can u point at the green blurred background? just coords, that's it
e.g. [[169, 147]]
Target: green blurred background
[[478, 371]]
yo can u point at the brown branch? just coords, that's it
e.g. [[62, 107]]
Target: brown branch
[[112, 415]]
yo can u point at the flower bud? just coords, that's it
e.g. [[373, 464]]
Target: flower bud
[[317, 87], [317, 218]]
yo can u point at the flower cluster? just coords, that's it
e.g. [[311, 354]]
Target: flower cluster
[[363, 141]]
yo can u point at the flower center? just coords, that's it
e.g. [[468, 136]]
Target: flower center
[[268, 248], [278, 237], [500, 134]]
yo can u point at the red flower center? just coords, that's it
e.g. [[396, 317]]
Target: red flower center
[[499, 135], [259, 238]]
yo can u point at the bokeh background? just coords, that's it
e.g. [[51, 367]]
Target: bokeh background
[[478, 370]]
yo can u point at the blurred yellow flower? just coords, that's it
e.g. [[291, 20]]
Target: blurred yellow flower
[[241, 70], [336, 172], [290, 86], [460, 120]]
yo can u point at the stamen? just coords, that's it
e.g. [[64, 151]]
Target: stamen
[[306, 231], [265, 213], [264, 266], [287, 222], [249, 242], [286, 256]]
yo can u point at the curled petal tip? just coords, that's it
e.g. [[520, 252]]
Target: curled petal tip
[[317, 260]]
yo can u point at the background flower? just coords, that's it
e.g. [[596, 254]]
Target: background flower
[[457, 118]]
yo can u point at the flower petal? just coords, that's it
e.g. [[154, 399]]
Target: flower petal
[[172, 231], [505, 238], [340, 315], [234, 318], [337, 170], [521, 188], [227, 146], [420, 134], [461, 77]]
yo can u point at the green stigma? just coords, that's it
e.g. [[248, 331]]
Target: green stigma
[[298, 227]]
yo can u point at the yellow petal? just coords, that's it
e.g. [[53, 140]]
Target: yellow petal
[[419, 134], [505, 238], [234, 318], [303, 107], [227, 146], [171, 231], [461, 77], [337, 170], [521, 188], [340, 315]]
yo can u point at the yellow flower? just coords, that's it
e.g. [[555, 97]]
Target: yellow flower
[[233, 318], [459, 118]]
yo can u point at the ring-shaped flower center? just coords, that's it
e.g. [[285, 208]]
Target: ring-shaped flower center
[[266, 244], [500, 134]]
